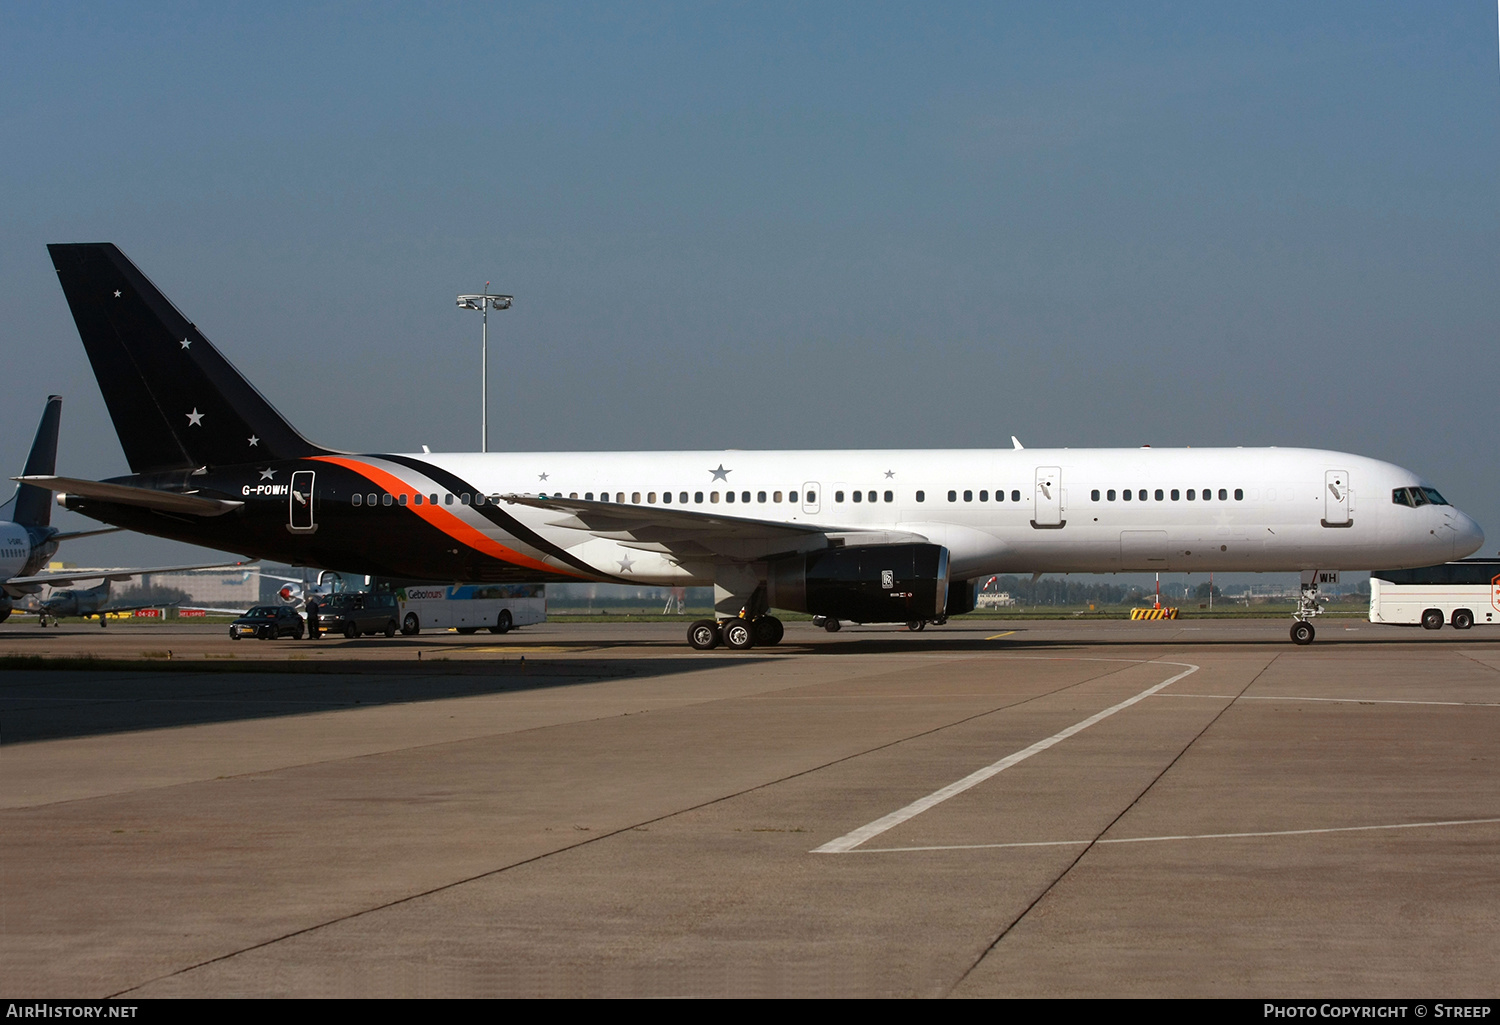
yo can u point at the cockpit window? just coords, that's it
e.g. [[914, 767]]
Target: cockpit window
[[1432, 496], [1417, 498], [1400, 497]]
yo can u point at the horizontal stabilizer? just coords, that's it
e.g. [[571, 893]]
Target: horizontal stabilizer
[[123, 494], [117, 575]]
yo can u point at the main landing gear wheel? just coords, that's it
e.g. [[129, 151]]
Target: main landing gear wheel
[[704, 635], [768, 631], [1432, 619], [738, 634], [1303, 633]]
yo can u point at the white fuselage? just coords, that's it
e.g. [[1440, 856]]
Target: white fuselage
[[1266, 509]]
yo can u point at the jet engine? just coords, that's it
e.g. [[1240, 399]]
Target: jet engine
[[866, 584]]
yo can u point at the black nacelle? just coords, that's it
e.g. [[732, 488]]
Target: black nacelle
[[870, 584]]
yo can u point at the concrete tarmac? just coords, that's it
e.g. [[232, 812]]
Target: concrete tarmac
[[1191, 808]]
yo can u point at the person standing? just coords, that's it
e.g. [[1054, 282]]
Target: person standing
[[314, 631]]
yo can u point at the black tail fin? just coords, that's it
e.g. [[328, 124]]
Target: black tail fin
[[32, 506], [177, 403]]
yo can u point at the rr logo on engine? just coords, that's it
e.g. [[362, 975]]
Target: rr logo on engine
[[887, 578]]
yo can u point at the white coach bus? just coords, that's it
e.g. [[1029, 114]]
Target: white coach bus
[[1460, 593], [471, 607]]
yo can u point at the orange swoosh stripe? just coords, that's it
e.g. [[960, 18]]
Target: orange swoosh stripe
[[440, 518]]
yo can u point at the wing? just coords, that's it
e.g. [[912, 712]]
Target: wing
[[690, 534]]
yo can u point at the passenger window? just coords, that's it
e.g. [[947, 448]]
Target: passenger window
[[812, 497], [1110, 494], [729, 496], [953, 496], [776, 497], [968, 496], [682, 497], [838, 496], [357, 499], [1239, 494], [1127, 494], [402, 499], [1094, 494], [371, 499], [635, 497], [698, 497], [666, 497], [448, 499], [1191, 494], [858, 497], [478, 499], [760, 496], [571, 495], [890, 496], [1015, 496], [650, 498], [432, 500], [588, 496], [872, 496], [619, 498], [984, 496], [713, 497], [1142, 495], [1224, 495], [416, 499], [999, 495], [791, 496], [1176, 494], [1159, 495], [463, 499], [921, 496], [744, 496]]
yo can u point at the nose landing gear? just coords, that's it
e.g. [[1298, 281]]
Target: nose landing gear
[[1308, 605]]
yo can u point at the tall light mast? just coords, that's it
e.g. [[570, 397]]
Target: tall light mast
[[484, 302]]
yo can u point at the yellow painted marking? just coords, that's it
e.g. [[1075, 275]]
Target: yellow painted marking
[[512, 649], [996, 637]]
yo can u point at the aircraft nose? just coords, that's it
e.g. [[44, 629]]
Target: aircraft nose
[[1468, 538]]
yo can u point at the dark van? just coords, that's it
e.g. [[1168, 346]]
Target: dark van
[[353, 613]]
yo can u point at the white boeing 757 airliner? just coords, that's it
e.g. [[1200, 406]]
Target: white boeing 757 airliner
[[867, 536]]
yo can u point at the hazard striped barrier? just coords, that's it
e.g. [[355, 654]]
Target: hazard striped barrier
[[1153, 613]]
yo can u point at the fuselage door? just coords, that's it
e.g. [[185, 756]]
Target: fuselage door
[[299, 516], [1336, 499], [1047, 511], [812, 494]]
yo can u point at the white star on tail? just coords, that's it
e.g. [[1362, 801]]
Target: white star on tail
[[187, 343], [267, 474], [254, 441], [195, 418], [625, 565]]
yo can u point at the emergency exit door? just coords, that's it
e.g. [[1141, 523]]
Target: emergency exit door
[[1047, 499], [1336, 499], [299, 516]]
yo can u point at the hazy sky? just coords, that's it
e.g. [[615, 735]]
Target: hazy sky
[[806, 225]]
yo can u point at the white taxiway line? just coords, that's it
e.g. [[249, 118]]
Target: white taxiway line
[[1193, 836], [849, 841], [1338, 701]]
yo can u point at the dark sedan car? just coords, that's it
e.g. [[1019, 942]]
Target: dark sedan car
[[267, 622]]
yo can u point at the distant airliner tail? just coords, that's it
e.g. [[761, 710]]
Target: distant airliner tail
[[32, 506], [176, 402]]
